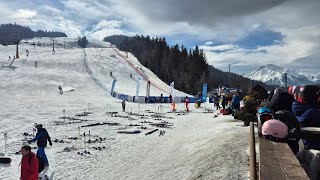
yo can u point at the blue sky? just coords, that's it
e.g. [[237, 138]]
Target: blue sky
[[246, 33]]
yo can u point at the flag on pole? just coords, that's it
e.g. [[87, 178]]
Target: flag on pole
[[113, 85], [171, 90], [204, 92]]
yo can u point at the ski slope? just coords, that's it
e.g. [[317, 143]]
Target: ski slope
[[197, 146]]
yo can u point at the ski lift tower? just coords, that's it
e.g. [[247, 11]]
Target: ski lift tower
[[53, 40], [285, 76], [11, 40]]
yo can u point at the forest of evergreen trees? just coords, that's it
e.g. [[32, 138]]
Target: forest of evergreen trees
[[82, 42], [187, 68], [26, 32]]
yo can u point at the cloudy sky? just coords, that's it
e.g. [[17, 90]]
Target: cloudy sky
[[244, 33]]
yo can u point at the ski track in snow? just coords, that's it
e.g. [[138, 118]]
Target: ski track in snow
[[197, 147]]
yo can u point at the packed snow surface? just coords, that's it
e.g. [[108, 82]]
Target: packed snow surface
[[195, 146]]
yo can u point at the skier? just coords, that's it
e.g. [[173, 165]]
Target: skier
[[123, 105], [9, 58], [36, 64], [42, 137], [60, 89], [187, 103], [29, 164]]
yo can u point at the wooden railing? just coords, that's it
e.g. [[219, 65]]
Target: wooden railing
[[276, 162]]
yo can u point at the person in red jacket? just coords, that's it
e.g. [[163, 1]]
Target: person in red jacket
[[29, 164], [187, 103]]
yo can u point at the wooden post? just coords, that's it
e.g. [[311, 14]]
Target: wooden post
[[253, 171]]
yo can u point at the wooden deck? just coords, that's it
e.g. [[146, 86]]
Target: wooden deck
[[277, 162]]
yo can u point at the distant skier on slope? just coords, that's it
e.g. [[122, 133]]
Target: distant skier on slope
[[60, 90], [123, 105], [187, 103]]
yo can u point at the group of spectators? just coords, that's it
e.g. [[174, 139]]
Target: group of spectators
[[304, 106], [228, 102]]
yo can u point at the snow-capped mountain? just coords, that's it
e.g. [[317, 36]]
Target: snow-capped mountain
[[273, 75]]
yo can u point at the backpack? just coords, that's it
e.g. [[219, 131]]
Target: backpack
[[41, 163]]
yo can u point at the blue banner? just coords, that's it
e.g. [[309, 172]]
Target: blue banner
[[113, 85], [204, 92]]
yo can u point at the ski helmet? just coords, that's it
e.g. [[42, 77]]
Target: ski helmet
[[39, 126], [277, 90], [270, 93], [310, 94], [290, 90], [274, 129]]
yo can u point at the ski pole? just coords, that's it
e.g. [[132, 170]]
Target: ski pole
[[5, 142], [85, 145], [79, 137]]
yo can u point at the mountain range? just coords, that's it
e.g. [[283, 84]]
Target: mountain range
[[274, 75]]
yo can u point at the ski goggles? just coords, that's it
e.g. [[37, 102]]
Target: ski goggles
[[264, 110]]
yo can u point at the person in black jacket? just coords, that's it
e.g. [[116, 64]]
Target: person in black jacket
[[42, 137], [281, 101], [223, 103]]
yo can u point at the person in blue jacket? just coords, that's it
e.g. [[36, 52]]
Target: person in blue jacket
[[236, 102], [42, 137]]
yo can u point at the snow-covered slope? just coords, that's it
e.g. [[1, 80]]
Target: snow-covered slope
[[272, 74], [197, 146]]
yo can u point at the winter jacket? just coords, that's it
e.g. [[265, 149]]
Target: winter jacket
[[281, 101], [42, 137], [29, 167], [223, 103], [187, 102], [299, 108], [236, 102], [311, 118]]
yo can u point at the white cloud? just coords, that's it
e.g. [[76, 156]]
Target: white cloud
[[105, 28], [24, 14], [224, 47], [51, 9], [208, 43]]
